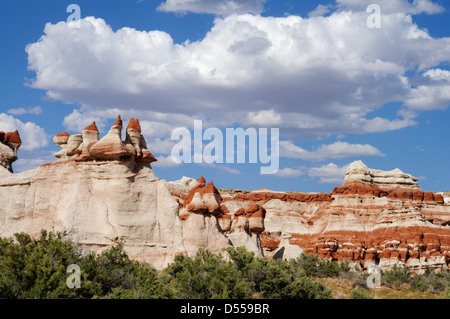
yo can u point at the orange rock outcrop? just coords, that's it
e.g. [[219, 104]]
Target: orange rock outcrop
[[87, 146], [375, 217], [10, 143]]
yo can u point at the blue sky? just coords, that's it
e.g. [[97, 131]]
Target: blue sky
[[337, 90]]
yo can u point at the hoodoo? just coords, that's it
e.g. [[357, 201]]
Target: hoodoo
[[103, 190], [9, 145], [99, 191]]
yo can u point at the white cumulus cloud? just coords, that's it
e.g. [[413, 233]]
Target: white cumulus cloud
[[330, 173], [32, 135], [390, 6], [433, 94], [218, 7], [21, 111], [165, 162], [312, 76], [290, 172], [336, 150]]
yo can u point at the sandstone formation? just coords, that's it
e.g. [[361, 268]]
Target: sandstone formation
[[102, 189], [375, 217], [358, 171], [198, 216], [87, 146], [99, 191], [9, 144], [286, 250], [208, 223]]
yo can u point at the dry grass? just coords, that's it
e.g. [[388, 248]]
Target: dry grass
[[342, 288]]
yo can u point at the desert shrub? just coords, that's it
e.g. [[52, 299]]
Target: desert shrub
[[358, 279], [145, 284], [285, 279], [118, 277], [359, 293], [418, 282], [446, 294], [314, 266], [253, 269], [440, 281], [207, 276], [277, 278], [37, 269], [396, 277], [436, 282]]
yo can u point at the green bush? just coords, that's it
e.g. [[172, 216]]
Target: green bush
[[207, 276], [285, 279], [446, 295], [436, 282], [396, 277], [359, 293], [314, 266], [37, 269], [277, 279], [356, 278], [418, 282], [253, 269]]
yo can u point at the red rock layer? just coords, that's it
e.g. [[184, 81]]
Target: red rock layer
[[395, 192], [409, 227], [118, 122], [207, 205], [202, 189], [134, 124], [12, 137], [92, 127], [62, 134], [269, 240], [264, 197], [389, 242]]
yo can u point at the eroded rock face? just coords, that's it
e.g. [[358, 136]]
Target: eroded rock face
[[375, 217], [97, 203], [9, 145], [198, 215], [102, 190], [201, 207], [358, 171], [99, 191], [87, 146]]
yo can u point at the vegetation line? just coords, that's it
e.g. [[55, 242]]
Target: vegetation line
[[37, 269]]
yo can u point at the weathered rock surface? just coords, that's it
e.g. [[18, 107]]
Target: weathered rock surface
[[102, 190], [374, 217], [201, 204], [358, 171], [97, 203], [9, 144], [98, 191], [198, 215], [87, 146]]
